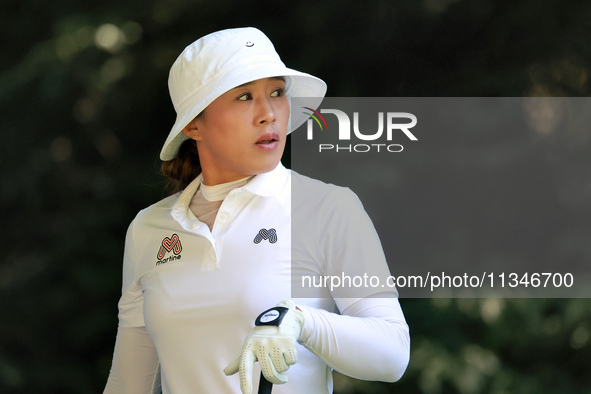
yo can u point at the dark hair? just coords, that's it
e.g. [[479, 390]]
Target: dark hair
[[183, 169]]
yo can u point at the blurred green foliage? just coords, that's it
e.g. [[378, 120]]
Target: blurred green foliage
[[85, 109]]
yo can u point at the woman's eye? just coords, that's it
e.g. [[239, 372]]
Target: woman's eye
[[278, 92], [245, 96]]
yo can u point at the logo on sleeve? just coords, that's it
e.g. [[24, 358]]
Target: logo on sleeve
[[264, 234], [171, 247]]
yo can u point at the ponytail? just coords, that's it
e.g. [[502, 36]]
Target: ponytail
[[183, 169]]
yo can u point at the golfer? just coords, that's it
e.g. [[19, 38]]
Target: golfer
[[207, 301]]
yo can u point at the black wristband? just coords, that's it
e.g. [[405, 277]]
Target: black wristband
[[271, 317]]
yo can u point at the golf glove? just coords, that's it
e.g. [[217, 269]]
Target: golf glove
[[274, 347]]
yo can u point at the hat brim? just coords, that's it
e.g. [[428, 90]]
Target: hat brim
[[298, 84]]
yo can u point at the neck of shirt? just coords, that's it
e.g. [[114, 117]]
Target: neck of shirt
[[219, 192], [207, 201]]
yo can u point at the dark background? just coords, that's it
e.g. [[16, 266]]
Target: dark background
[[85, 110]]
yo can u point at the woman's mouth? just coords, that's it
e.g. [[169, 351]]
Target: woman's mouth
[[268, 141]]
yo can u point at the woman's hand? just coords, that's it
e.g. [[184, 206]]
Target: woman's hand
[[272, 342]]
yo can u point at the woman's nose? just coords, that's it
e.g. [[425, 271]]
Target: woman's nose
[[265, 111]]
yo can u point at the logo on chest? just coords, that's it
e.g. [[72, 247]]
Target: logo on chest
[[171, 247], [264, 234]]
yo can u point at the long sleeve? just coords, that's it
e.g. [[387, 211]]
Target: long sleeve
[[135, 368], [370, 341], [333, 239]]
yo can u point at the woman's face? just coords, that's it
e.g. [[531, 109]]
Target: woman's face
[[242, 132]]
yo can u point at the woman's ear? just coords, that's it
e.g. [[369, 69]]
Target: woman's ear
[[192, 131]]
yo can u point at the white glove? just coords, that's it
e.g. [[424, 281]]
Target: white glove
[[273, 347]]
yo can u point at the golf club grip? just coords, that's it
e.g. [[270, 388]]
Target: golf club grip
[[265, 386]]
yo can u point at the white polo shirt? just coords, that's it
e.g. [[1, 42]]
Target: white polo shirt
[[198, 291]]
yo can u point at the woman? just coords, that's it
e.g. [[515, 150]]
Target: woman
[[202, 264]]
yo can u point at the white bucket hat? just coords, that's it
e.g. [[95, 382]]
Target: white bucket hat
[[220, 61]]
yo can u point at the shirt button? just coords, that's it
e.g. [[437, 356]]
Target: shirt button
[[196, 226], [223, 216]]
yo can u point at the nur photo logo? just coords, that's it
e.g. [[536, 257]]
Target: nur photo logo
[[385, 127], [315, 115]]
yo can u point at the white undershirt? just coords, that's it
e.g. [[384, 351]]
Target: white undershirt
[[207, 201]]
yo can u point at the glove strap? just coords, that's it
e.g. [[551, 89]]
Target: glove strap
[[272, 317]]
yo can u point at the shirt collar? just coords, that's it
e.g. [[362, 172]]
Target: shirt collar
[[269, 183], [187, 194], [264, 185]]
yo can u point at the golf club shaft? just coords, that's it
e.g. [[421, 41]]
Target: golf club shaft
[[265, 386]]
